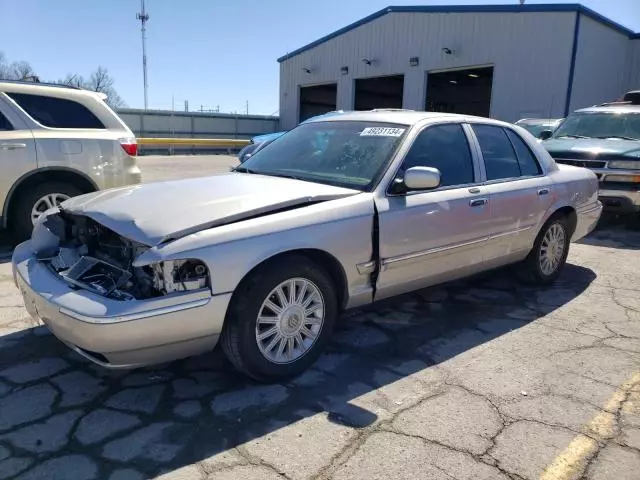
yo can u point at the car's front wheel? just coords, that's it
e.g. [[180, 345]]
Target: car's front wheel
[[544, 263], [280, 319]]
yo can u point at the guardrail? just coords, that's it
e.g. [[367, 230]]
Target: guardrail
[[195, 142]]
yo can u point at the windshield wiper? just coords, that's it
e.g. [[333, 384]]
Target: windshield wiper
[[621, 137], [283, 175], [572, 136], [242, 169]]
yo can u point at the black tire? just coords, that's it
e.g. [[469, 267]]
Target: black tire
[[530, 270], [239, 333], [21, 215]]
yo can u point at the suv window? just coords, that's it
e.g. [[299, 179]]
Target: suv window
[[56, 112], [4, 123], [446, 148], [500, 159], [528, 163]]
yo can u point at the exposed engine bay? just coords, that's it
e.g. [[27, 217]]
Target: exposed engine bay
[[92, 257]]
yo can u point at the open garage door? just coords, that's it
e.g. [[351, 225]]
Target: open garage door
[[379, 92], [460, 91], [317, 99]]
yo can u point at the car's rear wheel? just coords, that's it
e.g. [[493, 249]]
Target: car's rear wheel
[[280, 320], [33, 202], [548, 256]]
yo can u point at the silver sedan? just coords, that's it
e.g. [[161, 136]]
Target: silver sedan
[[339, 212]]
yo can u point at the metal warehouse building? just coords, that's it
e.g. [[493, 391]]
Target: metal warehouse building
[[502, 61]]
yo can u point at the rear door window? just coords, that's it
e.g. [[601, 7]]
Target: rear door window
[[528, 163], [57, 112], [500, 159]]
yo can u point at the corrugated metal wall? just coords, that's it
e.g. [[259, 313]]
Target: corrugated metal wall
[[160, 123], [600, 66], [168, 124], [632, 78], [530, 51]]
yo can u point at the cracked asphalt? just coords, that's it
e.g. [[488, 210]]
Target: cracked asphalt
[[475, 380]]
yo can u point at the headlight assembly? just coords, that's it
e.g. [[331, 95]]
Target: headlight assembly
[[180, 276], [625, 164]]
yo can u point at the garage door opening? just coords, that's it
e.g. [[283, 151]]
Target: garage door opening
[[317, 99], [460, 91], [379, 92]]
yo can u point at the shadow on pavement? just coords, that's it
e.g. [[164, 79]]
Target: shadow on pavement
[[614, 231], [56, 404]]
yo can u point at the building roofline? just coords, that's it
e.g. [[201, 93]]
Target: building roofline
[[540, 8]]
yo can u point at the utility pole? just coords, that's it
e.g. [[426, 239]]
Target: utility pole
[[247, 107], [144, 18]]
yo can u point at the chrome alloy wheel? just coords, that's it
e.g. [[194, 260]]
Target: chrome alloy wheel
[[552, 249], [46, 202], [290, 320]]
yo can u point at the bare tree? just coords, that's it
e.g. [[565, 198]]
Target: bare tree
[[98, 81], [16, 70]]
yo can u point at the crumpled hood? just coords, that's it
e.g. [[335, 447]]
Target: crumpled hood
[[592, 148], [157, 212]]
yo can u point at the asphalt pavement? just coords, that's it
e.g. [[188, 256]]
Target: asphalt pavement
[[475, 380]]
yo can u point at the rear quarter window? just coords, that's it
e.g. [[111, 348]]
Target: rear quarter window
[[57, 112]]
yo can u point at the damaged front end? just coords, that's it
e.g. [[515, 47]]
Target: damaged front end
[[90, 256]]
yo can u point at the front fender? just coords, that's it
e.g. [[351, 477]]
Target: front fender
[[231, 251]]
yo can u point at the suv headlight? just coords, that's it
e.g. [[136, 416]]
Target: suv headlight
[[180, 276], [626, 164]]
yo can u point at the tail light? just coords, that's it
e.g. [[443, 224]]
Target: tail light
[[130, 146]]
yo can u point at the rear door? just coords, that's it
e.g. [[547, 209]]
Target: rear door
[[17, 151], [520, 192], [427, 237]]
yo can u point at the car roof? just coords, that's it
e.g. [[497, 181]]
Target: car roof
[[533, 121], [620, 108], [48, 89], [403, 117]]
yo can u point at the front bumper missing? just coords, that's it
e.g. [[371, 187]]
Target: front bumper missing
[[119, 334]]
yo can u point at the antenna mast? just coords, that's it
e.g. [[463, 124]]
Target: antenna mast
[[144, 18]]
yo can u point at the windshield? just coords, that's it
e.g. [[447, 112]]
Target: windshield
[[340, 153], [601, 125]]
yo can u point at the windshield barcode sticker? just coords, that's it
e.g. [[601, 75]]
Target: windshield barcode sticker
[[382, 132]]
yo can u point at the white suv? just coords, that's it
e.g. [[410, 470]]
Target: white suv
[[57, 142]]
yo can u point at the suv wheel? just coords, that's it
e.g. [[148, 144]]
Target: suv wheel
[[35, 201]]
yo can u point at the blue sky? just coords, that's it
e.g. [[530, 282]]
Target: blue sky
[[209, 52]]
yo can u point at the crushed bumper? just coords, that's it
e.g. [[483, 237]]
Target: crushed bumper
[[119, 334]]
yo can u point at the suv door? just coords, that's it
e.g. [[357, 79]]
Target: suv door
[[520, 192], [427, 237], [17, 153]]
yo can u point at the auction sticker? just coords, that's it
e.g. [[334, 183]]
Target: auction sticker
[[382, 132]]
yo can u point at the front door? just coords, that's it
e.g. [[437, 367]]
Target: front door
[[428, 237], [17, 151]]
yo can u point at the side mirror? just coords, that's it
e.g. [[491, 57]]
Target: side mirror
[[422, 178], [245, 157], [545, 134]]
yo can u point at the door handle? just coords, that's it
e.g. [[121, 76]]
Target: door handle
[[478, 202], [12, 146], [474, 190], [543, 191]]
